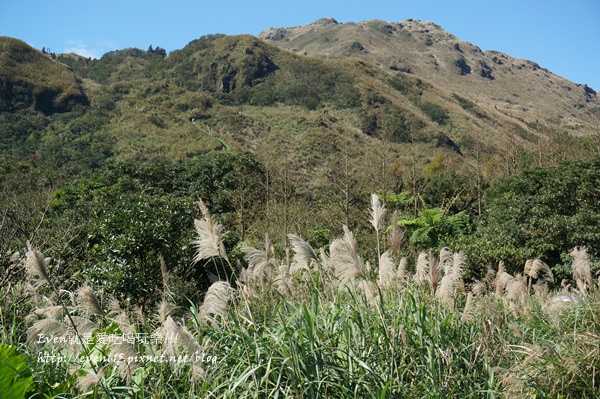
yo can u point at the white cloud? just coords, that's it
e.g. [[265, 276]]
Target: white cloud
[[88, 53], [79, 47]]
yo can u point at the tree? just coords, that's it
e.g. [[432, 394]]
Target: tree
[[543, 213], [135, 213]]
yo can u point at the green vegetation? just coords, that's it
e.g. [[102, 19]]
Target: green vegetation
[[31, 79], [313, 326], [102, 166], [541, 213]]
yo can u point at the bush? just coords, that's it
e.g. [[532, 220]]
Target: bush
[[543, 212]]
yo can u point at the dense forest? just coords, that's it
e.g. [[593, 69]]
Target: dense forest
[[322, 227]]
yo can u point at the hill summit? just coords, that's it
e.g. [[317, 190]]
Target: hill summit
[[518, 88]]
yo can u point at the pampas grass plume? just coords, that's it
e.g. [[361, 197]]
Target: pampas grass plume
[[387, 272], [35, 265], [377, 212], [303, 254], [581, 270], [209, 241], [88, 301]]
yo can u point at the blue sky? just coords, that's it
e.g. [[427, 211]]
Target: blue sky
[[563, 36]]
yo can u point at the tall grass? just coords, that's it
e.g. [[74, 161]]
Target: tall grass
[[315, 326]]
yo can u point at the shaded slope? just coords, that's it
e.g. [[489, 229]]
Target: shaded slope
[[31, 79]]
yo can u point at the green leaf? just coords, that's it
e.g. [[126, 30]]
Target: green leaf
[[15, 376]]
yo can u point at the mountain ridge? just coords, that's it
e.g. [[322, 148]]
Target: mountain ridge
[[241, 92], [517, 87]]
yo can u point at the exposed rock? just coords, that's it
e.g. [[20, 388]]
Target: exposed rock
[[486, 71], [356, 46], [589, 92], [325, 21], [275, 34], [463, 67]]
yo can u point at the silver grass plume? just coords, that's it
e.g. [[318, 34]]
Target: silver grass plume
[[401, 272], [120, 316], [446, 260], [536, 269], [452, 280], [368, 289], [126, 353], [209, 241], [216, 301], [377, 212], [502, 281], [478, 288], [282, 280], [541, 290], [344, 257], [49, 328], [49, 312], [527, 267], [387, 272], [490, 278], [179, 340], [422, 269], [582, 273], [70, 294], [377, 215], [85, 382], [469, 311], [260, 263], [139, 316], [396, 236], [169, 333], [328, 265], [244, 282], [516, 294], [88, 302], [434, 275], [165, 275], [35, 265], [501, 278], [458, 265], [164, 310], [512, 289], [303, 254], [84, 325], [191, 346]]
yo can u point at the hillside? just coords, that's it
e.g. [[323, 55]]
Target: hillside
[[326, 131], [242, 88], [30, 79], [518, 88], [242, 92]]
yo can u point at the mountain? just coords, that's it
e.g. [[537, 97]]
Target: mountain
[[279, 141], [31, 79], [517, 88], [408, 95]]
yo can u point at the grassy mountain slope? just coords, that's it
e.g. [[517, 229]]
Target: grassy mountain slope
[[517, 88], [215, 78], [30, 79], [294, 111]]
